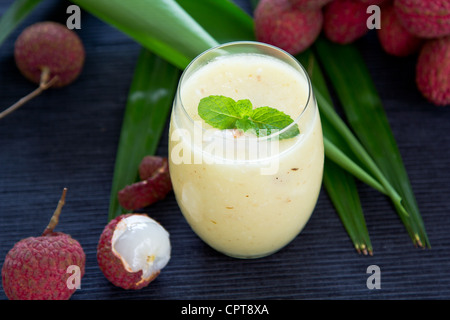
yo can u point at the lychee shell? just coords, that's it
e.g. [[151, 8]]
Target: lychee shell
[[278, 23], [433, 71], [426, 19], [53, 45], [112, 267], [36, 267]]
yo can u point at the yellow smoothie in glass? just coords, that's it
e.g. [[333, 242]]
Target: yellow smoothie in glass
[[243, 195]]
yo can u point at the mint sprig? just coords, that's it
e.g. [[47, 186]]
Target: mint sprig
[[225, 113]]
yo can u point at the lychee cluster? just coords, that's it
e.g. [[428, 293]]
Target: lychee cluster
[[428, 21], [293, 25], [422, 27], [406, 27]]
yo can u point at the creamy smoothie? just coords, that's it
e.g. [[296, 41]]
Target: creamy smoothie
[[246, 197]]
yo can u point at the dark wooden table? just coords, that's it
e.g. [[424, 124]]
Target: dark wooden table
[[68, 138]]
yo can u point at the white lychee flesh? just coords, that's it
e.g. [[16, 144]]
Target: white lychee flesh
[[142, 244]]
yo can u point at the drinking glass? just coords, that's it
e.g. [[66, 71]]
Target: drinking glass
[[246, 196]]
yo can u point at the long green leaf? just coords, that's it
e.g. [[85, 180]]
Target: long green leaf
[[348, 151], [357, 149], [338, 138], [342, 159], [340, 185], [364, 110], [222, 19], [342, 189], [368, 171], [148, 106], [162, 26], [15, 14]]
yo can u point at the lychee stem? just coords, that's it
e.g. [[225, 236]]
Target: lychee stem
[[55, 218], [43, 85]]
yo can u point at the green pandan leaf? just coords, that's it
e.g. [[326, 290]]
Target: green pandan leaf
[[163, 27], [146, 112], [366, 115], [14, 15]]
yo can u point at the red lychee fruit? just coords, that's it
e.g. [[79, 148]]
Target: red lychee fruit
[[309, 4], [426, 19], [132, 250], [49, 47], [433, 71], [49, 267], [393, 37], [375, 2], [345, 21], [278, 23], [49, 54]]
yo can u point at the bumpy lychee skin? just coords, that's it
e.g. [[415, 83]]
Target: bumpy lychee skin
[[133, 263], [154, 185], [426, 19], [278, 23], [49, 45], [393, 37], [345, 21], [36, 268], [309, 4], [433, 71], [49, 267], [373, 2]]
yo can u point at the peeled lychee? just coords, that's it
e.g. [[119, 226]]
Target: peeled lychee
[[49, 54], [433, 71], [279, 23], [393, 37], [426, 19], [309, 4], [49, 267], [345, 21], [132, 250]]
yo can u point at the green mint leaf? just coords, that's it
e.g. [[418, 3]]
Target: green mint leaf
[[244, 107], [246, 124], [268, 119], [219, 112], [224, 113]]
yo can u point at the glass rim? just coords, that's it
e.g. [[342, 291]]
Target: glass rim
[[254, 43]]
